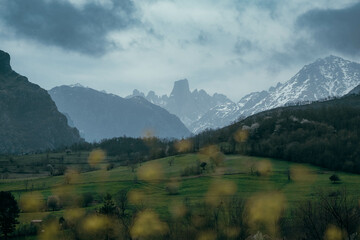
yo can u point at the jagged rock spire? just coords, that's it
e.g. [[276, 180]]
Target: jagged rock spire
[[4, 62]]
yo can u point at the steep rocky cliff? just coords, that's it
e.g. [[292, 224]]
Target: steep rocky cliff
[[29, 119]]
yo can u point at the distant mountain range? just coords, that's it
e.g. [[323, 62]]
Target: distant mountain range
[[324, 133], [327, 77], [29, 119], [188, 106], [99, 115]]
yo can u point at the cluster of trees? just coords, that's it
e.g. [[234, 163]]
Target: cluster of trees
[[32, 165], [133, 150], [322, 133], [332, 215], [326, 134]]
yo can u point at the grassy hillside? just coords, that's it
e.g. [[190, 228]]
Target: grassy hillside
[[322, 133], [173, 190], [305, 181]]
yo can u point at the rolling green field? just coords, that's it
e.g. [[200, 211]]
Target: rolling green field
[[237, 175]]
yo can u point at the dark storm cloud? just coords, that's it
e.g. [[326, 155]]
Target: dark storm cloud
[[59, 23], [334, 29]]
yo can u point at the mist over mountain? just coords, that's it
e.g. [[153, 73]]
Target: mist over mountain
[[327, 77], [100, 115], [188, 106], [29, 119]]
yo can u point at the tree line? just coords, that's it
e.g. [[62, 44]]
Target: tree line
[[326, 134]]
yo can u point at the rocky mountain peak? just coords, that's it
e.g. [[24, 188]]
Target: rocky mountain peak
[[4, 62], [188, 106], [181, 88], [329, 63], [326, 77], [151, 95], [77, 85], [333, 58], [29, 119], [138, 93]]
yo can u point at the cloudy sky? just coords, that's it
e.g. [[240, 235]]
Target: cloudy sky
[[229, 46]]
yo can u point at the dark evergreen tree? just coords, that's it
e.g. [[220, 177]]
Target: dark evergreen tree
[[203, 165], [9, 212], [109, 207]]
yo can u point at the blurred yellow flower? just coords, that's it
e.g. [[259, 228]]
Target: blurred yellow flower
[[96, 157], [148, 224]]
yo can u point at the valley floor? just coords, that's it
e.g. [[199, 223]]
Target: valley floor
[[160, 184]]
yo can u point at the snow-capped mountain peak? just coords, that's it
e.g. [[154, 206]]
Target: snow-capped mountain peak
[[326, 77]]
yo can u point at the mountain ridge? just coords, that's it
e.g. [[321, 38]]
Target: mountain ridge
[[99, 115], [29, 119], [188, 105], [324, 133], [326, 77]]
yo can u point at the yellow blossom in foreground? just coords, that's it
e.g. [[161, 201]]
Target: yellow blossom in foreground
[[183, 146], [241, 135], [148, 224], [219, 191], [208, 235], [265, 210], [151, 171], [136, 197], [333, 233], [31, 202], [51, 231], [96, 157], [302, 174]]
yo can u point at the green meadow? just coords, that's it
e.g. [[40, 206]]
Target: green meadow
[[244, 176]]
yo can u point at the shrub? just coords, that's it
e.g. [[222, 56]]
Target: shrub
[[191, 170], [203, 165], [110, 166], [334, 178], [53, 202], [172, 188]]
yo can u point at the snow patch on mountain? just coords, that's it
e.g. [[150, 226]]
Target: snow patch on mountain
[[327, 77]]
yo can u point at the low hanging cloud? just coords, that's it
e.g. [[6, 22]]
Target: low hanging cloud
[[82, 29], [232, 47], [337, 29]]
